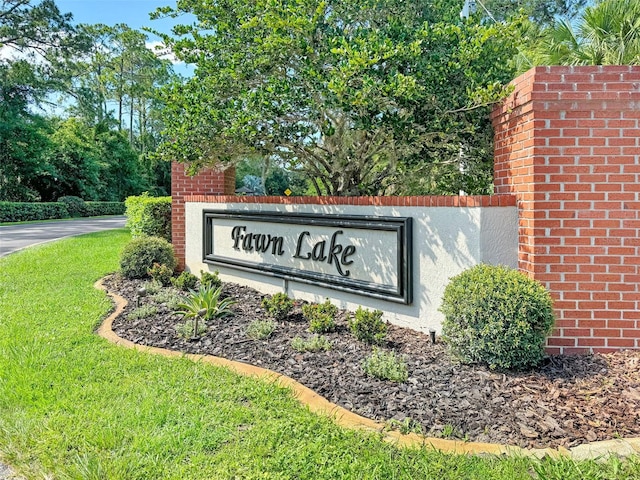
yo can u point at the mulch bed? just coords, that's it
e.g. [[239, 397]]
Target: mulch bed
[[568, 401]]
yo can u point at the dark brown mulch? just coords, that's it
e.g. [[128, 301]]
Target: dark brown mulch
[[567, 401]]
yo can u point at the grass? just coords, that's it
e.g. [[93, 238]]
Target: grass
[[73, 406]]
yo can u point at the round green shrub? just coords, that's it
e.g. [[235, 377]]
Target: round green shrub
[[75, 205], [140, 254], [496, 316]]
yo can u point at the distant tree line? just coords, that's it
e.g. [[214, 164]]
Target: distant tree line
[[79, 107]]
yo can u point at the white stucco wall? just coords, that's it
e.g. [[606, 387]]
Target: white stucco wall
[[446, 241]]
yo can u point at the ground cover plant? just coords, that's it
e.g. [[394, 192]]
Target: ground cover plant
[[73, 406], [567, 401]]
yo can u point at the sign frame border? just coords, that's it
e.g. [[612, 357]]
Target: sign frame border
[[402, 226]]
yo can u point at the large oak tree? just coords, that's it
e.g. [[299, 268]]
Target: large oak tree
[[364, 96]]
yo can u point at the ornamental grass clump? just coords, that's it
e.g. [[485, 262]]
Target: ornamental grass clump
[[206, 302], [496, 316], [321, 316], [278, 306], [368, 326]]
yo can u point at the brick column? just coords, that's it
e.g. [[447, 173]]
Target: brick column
[[206, 182], [568, 146]]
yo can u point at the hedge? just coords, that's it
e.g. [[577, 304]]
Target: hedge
[[149, 216], [23, 211]]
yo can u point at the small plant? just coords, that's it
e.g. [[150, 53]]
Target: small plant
[[185, 330], [321, 316], [211, 280], [316, 343], [142, 312], [261, 329], [367, 326], [207, 300], [185, 281], [408, 425], [496, 316], [161, 274], [152, 287], [386, 366], [452, 432], [169, 297], [139, 255], [278, 306]]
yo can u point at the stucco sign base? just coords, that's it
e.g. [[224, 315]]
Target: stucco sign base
[[345, 418]]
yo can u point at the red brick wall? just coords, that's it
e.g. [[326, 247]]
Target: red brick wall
[[568, 146], [207, 182]]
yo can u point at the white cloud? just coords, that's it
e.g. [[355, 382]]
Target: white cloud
[[163, 52]]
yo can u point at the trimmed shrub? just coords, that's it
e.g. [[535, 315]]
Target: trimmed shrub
[[161, 274], [75, 205], [210, 279], [97, 209], [149, 216], [186, 281], [367, 326], [278, 306], [496, 316], [321, 316], [140, 254], [26, 211]]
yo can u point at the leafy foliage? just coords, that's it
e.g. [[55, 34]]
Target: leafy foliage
[[321, 316], [607, 33], [20, 212], [210, 280], [315, 343], [208, 300], [261, 329], [143, 311], [362, 97], [161, 273], [278, 306], [142, 253], [149, 216], [187, 329], [185, 281], [368, 326], [386, 366], [496, 316], [75, 205]]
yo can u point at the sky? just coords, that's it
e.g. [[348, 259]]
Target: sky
[[134, 13]]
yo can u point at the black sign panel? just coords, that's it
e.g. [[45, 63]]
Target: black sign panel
[[364, 255]]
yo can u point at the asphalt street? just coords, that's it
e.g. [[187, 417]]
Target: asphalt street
[[17, 237]]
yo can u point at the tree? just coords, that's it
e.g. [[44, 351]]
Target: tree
[[540, 12], [362, 100], [41, 27], [23, 135], [606, 34]]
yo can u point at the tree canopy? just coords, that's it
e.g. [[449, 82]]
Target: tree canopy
[[363, 96], [105, 79]]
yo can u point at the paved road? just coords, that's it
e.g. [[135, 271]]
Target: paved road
[[17, 237]]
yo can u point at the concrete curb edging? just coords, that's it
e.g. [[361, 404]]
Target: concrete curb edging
[[345, 418]]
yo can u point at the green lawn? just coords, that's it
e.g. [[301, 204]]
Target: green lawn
[[73, 406]]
